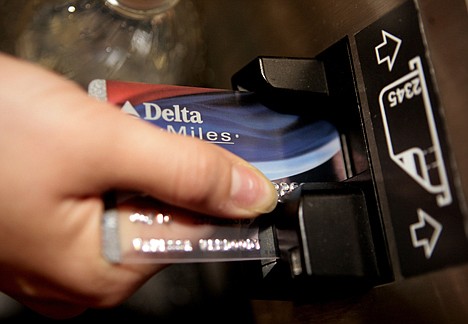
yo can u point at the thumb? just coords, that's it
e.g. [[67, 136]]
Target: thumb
[[106, 149], [181, 171]]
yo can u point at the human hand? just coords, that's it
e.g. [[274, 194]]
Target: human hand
[[60, 151]]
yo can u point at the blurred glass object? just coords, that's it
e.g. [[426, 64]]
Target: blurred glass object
[[153, 41]]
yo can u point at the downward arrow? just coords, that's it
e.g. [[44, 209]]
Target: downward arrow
[[427, 244]]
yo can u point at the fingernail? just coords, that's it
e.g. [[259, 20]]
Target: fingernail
[[251, 190]]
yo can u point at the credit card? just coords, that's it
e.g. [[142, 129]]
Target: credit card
[[289, 149]]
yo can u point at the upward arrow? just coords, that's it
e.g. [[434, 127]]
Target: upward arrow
[[387, 51]]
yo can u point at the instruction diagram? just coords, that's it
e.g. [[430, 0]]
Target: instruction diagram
[[407, 111]]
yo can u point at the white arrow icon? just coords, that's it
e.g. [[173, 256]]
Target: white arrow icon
[[384, 57], [427, 244]]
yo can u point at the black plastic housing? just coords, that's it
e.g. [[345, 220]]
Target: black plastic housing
[[330, 235]]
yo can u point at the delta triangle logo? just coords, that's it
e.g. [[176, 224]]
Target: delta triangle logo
[[130, 110]]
